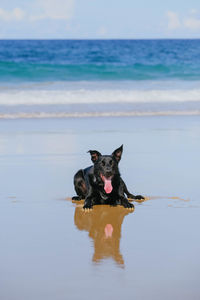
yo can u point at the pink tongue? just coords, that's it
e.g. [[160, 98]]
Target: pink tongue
[[107, 185]]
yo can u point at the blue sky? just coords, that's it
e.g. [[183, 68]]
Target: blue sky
[[99, 19]]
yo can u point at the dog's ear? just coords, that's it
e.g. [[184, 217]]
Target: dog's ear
[[94, 155], [118, 153]]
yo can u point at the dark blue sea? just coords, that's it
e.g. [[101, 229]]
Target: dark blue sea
[[63, 78]]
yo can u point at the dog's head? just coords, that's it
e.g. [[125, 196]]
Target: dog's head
[[106, 166]]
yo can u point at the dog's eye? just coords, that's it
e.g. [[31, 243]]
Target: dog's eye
[[110, 162], [103, 163]]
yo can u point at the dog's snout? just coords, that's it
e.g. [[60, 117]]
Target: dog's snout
[[108, 173]]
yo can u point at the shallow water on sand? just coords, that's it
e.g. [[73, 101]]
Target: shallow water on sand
[[51, 249]]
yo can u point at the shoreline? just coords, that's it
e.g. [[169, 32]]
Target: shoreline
[[41, 115]]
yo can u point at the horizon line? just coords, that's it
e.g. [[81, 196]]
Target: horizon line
[[97, 39]]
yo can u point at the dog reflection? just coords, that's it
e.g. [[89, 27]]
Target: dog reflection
[[104, 226]]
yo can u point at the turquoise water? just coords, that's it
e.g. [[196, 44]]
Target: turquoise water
[[62, 78], [65, 60]]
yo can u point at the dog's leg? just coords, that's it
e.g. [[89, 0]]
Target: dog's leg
[[129, 195], [138, 197], [122, 199], [88, 204], [77, 198], [124, 202], [80, 186]]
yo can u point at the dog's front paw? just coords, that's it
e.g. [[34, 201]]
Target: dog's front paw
[[128, 205], [139, 197], [76, 198], [87, 206]]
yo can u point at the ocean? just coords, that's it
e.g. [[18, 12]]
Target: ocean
[[77, 78]]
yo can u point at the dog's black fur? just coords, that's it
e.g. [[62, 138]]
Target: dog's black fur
[[102, 183]]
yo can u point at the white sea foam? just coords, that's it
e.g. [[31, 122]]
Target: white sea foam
[[44, 115], [81, 96], [99, 99]]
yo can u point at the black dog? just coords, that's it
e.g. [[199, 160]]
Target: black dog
[[101, 183]]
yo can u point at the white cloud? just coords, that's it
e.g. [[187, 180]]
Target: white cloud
[[17, 14], [192, 23], [173, 20], [43, 9], [54, 9]]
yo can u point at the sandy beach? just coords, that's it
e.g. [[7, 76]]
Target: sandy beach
[[50, 249]]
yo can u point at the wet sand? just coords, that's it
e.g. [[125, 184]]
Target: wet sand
[[51, 249]]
